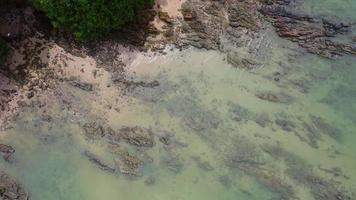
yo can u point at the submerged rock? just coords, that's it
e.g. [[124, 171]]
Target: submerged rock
[[202, 121], [248, 158], [129, 164], [238, 61], [173, 163], [96, 160], [326, 128], [225, 180], [244, 156], [151, 180], [7, 151], [94, 130], [263, 120], [137, 136], [303, 173], [204, 165], [10, 189], [274, 97], [131, 85], [97, 130], [286, 125], [166, 138]]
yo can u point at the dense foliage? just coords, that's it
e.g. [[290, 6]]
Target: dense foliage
[[88, 19], [3, 51]]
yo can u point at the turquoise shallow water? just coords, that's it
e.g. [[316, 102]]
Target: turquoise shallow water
[[341, 9], [284, 131]]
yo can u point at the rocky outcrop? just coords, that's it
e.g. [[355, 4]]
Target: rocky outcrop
[[315, 35], [10, 189], [135, 136], [207, 22], [127, 162]]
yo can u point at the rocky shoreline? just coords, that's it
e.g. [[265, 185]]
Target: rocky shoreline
[[41, 59], [226, 26]]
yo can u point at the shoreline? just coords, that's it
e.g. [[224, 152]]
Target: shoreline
[[100, 73], [212, 26]]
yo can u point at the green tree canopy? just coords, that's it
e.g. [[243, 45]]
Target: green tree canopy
[[88, 19]]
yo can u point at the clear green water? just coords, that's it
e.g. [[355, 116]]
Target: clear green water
[[213, 111], [341, 9]]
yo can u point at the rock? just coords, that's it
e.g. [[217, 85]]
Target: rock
[[225, 180], [137, 136], [286, 125], [274, 97], [244, 156], [173, 163], [166, 138], [326, 128], [238, 61], [94, 130], [95, 160], [30, 94], [81, 85], [164, 17], [241, 15], [131, 85], [129, 164], [10, 189], [204, 165], [7, 151], [204, 21], [150, 181], [313, 34], [263, 120], [239, 113], [188, 17], [46, 118]]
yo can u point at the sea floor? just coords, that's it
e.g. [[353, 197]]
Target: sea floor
[[286, 130]]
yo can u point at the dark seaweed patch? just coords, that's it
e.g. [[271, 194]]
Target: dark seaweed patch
[[303, 173], [248, 158], [244, 156], [285, 124], [326, 128], [239, 113]]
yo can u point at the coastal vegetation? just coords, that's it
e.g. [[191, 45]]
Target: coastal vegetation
[[89, 19]]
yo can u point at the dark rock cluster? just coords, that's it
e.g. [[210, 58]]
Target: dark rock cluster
[[315, 35], [7, 151], [207, 21], [10, 189]]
